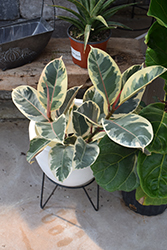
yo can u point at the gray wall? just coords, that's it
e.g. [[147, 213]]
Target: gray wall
[[14, 9]]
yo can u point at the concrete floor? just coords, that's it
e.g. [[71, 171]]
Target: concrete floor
[[68, 220]]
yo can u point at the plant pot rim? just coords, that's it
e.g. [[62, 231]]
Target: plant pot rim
[[90, 43]]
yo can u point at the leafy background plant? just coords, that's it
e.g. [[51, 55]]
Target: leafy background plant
[[92, 16]]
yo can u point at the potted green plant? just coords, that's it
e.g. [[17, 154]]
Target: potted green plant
[[148, 196], [91, 24], [106, 112]]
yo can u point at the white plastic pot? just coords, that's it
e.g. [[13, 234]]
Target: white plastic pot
[[78, 177]]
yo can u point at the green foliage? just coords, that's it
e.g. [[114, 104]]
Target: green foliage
[[156, 53], [92, 16], [73, 133]]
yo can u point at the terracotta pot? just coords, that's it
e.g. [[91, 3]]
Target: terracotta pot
[[78, 177], [79, 56], [133, 204]]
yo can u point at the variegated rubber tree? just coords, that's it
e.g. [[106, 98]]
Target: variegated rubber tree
[[106, 132]]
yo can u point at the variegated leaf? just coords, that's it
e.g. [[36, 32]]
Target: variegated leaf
[[129, 72], [70, 96], [152, 171], [115, 167], [36, 145], [84, 154], [129, 106], [90, 110], [26, 100], [104, 74], [80, 126], [132, 131], [140, 80], [53, 131], [60, 160], [94, 95], [52, 85]]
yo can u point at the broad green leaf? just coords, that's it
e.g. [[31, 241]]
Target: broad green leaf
[[104, 74], [90, 110], [156, 52], [60, 158], [157, 116], [93, 95], [132, 131], [52, 85], [146, 200], [36, 145], [26, 100], [80, 126], [129, 106], [84, 154], [70, 96], [158, 10], [152, 171], [115, 167], [53, 131], [140, 80]]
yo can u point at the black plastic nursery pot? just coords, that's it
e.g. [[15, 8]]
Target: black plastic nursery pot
[[133, 204]]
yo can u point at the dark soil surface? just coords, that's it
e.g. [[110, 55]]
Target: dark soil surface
[[100, 36]]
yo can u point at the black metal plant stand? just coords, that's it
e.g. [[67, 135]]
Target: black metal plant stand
[[42, 205]]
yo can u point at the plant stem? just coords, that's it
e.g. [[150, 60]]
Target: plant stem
[[97, 130]]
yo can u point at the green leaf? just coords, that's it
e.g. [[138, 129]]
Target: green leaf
[[115, 167], [158, 10], [52, 85], [129, 106], [61, 161], [86, 34], [82, 20], [140, 80], [152, 171], [53, 131], [131, 131], [104, 74], [129, 72], [101, 19], [146, 200], [156, 52], [84, 154], [70, 96], [36, 145], [90, 111], [97, 8], [80, 125], [111, 11], [93, 95], [26, 100], [157, 116]]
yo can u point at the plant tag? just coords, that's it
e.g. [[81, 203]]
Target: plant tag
[[76, 54]]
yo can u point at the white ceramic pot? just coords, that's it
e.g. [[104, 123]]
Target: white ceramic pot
[[78, 177]]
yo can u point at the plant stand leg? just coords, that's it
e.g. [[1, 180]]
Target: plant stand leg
[[42, 189], [97, 206], [42, 205]]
